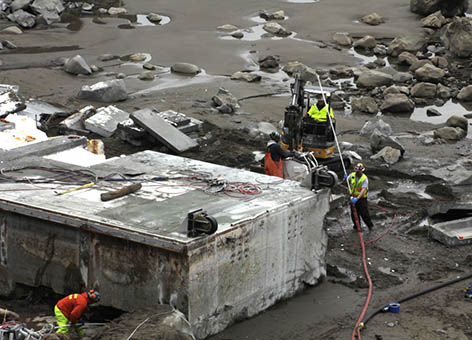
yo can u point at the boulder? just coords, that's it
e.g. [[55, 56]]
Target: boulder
[[465, 94], [373, 19], [154, 18], [365, 104], [378, 141], [77, 65], [146, 75], [367, 42], [278, 15], [370, 126], [48, 10], [407, 58], [342, 38], [117, 11], [227, 28], [108, 91], [449, 134], [185, 68], [269, 62], [409, 43], [457, 37], [458, 121], [22, 18], [12, 30], [19, 4], [247, 76], [424, 90], [443, 92], [397, 103], [372, 78], [440, 62], [388, 154], [429, 73], [449, 8], [276, 29], [402, 77], [434, 20], [225, 101]]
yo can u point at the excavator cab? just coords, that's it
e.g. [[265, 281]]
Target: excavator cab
[[305, 134]]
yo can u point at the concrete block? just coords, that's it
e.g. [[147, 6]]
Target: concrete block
[[75, 122], [182, 122], [163, 131], [453, 233], [105, 121]]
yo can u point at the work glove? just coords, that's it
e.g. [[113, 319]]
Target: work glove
[[346, 176], [354, 200]]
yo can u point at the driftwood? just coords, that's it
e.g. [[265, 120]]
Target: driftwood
[[6, 314], [107, 196]]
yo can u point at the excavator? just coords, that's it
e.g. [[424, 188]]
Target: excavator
[[314, 142]]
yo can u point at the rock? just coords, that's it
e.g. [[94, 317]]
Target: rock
[[424, 90], [117, 11], [443, 92], [440, 62], [367, 42], [449, 134], [276, 29], [185, 68], [433, 113], [108, 91], [105, 121], [238, 35], [19, 4], [402, 77], [418, 64], [449, 8], [48, 10], [137, 57], [458, 121], [407, 58], [154, 18], [380, 50], [108, 57], [457, 37], [440, 190], [378, 141], [278, 15], [146, 75], [373, 19], [342, 38], [434, 20], [388, 154], [121, 75], [429, 73], [148, 66], [306, 73], [465, 94], [94, 68], [227, 28], [77, 65], [396, 89], [247, 76], [372, 78], [225, 101], [370, 126], [12, 30], [269, 62], [22, 18], [364, 104], [397, 103], [409, 43]]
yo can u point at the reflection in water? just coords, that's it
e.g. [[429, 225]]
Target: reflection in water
[[450, 108], [139, 20]]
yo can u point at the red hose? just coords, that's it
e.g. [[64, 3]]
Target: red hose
[[356, 330]]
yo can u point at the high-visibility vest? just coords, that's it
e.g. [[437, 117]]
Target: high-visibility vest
[[320, 115], [356, 185]]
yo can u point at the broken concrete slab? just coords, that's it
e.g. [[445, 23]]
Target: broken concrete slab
[[47, 147], [163, 131], [75, 122], [453, 233], [10, 103], [105, 121], [135, 135], [107, 91], [181, 121]]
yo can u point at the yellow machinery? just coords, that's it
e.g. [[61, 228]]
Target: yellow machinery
[[302, 133]]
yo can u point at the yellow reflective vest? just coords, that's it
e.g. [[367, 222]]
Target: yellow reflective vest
[[320, 115], [356, 185]]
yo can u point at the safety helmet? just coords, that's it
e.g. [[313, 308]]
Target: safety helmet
[[359, 167], [275, 136], [93, 295]]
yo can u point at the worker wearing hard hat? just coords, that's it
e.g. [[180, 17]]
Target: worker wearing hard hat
[[69, 310], [359, 187], [273, 157], [319, 111]]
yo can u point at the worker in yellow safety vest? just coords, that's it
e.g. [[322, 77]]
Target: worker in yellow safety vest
[[359, 187], [319, 111]]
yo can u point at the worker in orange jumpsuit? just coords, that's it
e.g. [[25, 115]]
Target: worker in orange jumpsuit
[[274, 155], [69, 310]]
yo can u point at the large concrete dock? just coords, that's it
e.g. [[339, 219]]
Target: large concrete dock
[[135, 249]]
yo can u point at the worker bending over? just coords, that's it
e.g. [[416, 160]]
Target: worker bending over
[[69, 310], [359, 187], [274, 155], [319, 111]]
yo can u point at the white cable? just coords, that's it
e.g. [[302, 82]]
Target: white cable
[[332, 128]]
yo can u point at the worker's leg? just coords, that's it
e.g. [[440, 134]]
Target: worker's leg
[[363, 211], [79, 329], [62, 321]]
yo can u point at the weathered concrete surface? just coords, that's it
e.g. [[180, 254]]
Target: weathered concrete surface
[[267, 247]]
